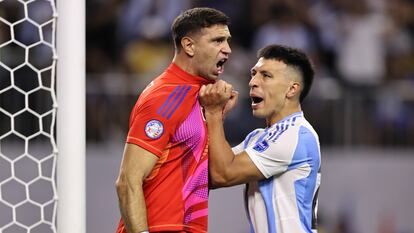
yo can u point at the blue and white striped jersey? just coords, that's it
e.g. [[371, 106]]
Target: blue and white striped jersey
[[288, 155]]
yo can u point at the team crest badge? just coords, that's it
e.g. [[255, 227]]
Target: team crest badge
[[261, 146], [154, 129]]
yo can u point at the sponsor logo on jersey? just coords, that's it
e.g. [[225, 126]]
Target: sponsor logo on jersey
[[261, 146], [154, 129]]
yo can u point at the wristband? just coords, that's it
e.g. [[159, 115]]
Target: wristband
[[144, 232]]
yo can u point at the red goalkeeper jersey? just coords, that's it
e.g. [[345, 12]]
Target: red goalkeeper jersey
[[167, 121]]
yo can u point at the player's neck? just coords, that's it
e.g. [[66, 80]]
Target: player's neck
[[184, 63], [286, 111]]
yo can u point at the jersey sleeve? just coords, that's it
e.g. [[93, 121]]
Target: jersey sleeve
[[156, 117], [238, 149], [273, 157]]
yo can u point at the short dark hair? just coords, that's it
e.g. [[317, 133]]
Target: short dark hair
[[294, 58], [195, 19]]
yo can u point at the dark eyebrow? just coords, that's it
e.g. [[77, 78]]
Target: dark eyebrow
[[221, 38], [264, 72]]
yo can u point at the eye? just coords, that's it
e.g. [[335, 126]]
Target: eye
[[266, 75], [219, 41]]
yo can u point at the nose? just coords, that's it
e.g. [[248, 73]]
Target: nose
[[253, 81], [226, 48]]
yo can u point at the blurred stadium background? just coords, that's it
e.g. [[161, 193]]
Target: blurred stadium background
[[361, 104]]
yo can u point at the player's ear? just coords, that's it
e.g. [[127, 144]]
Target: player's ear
[[188, 45], [294, 90]]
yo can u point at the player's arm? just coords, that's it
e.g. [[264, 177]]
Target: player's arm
[[136, 165], [225, 168]]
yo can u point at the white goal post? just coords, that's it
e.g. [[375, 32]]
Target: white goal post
[[42, 54], [71, 186], [28, 153]]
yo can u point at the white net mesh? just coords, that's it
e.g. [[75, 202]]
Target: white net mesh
[[27, 116]]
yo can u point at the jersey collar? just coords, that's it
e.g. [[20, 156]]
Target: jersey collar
[[185, 76], [287, 118]]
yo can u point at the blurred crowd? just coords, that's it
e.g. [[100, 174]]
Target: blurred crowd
[[363, 53]]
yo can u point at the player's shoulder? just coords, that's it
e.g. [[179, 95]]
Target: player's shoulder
[[306, 127], [159, 91], [253, 134], [307, 135], [168, 100]]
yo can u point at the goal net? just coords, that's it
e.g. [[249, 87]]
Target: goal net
[[28, 153]]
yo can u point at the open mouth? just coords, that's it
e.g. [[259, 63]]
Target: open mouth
[[256, 100], [220, 65]]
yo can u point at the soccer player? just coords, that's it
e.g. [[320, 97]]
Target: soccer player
[[280, 163], [163, 180]]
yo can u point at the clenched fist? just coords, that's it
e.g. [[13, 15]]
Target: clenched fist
[[218, 97]]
